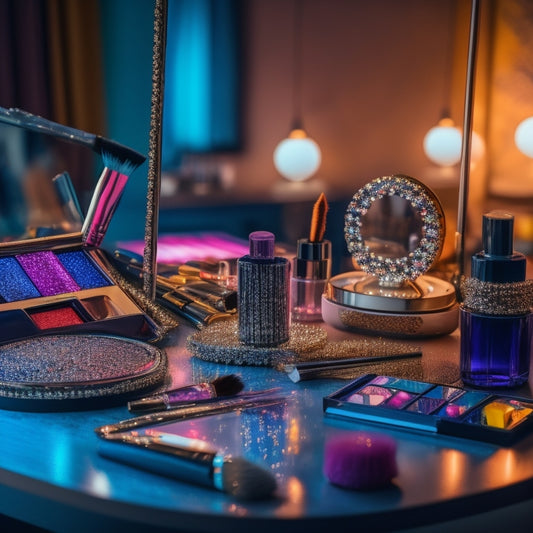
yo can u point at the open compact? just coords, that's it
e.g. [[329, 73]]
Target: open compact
[[55, 281], [394, 229]]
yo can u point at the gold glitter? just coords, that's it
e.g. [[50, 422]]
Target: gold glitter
[[394, 324], [219, 343], [497, 298]]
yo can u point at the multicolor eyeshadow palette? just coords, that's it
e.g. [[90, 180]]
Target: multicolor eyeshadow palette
[[434, 408], [62, 291]]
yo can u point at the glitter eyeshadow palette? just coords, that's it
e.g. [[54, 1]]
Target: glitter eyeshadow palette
[[433, 408], [65, 290], [53, 276]]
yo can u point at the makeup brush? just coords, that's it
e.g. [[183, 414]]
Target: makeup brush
[[223, 386], [192, 461], [119, 163]]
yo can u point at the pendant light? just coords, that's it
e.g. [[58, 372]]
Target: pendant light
[[298, 156], [523, 136]]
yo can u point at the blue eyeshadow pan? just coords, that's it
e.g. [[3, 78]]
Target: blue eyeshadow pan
[[82, 270], [15, 285]]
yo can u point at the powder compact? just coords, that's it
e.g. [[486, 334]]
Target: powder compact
[[55, 281], [394, 229], [432, 408]]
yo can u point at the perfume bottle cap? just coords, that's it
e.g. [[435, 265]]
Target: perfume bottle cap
[[313, 259], [497, 233], [498, 263], [262, 245]]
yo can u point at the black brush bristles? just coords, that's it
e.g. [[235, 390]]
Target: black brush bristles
[[227, 385], [118, 157], [247, 481]]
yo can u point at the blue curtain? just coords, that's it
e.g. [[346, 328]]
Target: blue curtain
[[202, 78]]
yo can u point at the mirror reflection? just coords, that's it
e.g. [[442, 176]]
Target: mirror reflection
[[391, 228], [45, 184]]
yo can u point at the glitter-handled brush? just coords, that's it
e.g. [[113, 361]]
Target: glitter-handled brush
[[249, 400], [220, 387]]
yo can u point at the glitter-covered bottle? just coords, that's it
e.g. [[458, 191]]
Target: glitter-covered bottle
[[496, 319], [263, 291]]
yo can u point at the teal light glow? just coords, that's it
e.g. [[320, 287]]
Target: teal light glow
[[201, 82]]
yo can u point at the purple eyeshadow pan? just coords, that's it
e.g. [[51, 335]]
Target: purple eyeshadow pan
[[14, 283], [47, 273]]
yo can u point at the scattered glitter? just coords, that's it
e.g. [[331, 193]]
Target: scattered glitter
[[78, 367], [219, 343]]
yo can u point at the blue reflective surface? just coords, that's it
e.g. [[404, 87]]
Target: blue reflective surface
[[61, 450]]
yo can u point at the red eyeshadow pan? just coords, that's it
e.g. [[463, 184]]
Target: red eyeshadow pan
[[56, 318]]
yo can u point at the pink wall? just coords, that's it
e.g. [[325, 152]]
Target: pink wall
[[373, 83]]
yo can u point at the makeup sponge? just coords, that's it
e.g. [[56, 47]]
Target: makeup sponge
[[360, 461]]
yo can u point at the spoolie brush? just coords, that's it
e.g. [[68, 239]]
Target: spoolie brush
[[190, 460], [220, 387]]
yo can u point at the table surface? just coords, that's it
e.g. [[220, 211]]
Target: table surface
[[51, 474]]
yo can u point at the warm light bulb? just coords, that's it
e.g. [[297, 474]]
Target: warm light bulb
[[297, 157], [523, 137], [443, 143]]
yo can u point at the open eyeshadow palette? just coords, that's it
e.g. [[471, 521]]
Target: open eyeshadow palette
[[53, 276], [434, 408], [52, 291]]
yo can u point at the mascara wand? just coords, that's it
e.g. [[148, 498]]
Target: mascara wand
[[190, 460]]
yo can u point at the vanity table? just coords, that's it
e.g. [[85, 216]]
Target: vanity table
[[52, 476]]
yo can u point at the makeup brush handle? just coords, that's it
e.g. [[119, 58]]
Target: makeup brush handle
[[163, 460]]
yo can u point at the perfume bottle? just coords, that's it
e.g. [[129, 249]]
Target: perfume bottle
[[263, 293], [310, 274], [311, 268], [496, 320]]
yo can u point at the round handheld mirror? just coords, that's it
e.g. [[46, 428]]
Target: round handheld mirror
[[394, 229]]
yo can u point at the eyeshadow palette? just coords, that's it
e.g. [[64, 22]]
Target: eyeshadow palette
[[62, 291], [431, 407]]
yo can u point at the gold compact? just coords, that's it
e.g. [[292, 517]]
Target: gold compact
[[394, 229]]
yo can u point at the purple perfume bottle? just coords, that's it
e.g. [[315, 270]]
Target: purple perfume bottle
[[263, 293], [496, 323]]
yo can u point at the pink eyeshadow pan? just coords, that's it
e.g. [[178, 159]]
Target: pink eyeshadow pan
[[47, 273], [56, 318]]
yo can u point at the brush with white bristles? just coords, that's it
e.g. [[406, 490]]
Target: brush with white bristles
[[190, 460]]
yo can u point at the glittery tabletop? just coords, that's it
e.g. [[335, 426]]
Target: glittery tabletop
[[220, 343]]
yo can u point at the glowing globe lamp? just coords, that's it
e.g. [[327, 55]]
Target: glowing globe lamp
[[297, 157], [442, 143], [523, 137]]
